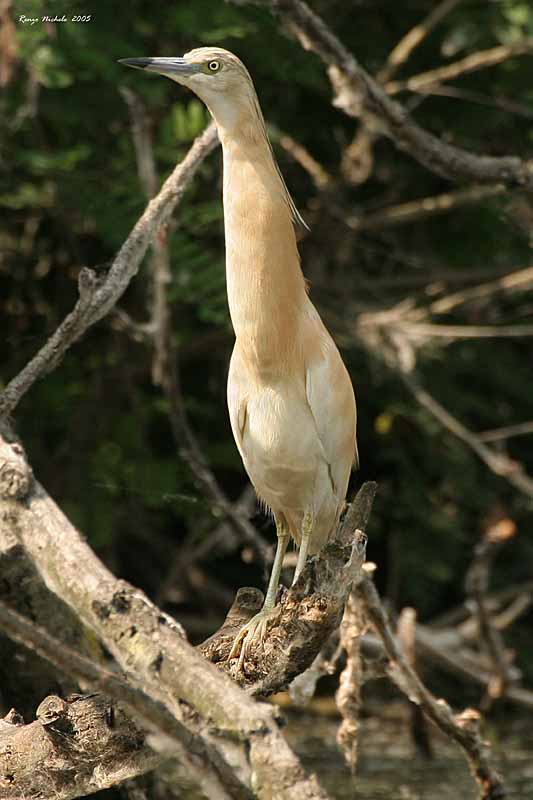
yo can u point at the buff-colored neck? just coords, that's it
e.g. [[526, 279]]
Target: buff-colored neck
[[266, 288]]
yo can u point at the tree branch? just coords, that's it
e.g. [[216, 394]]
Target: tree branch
[[470, 63], [75, 747], [98, 296], [165, 357], [150, 647], [461, 728], [357, 92]]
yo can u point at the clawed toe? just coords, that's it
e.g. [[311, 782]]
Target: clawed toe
[[254, 631]]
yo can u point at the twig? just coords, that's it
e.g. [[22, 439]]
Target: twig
[[461, 728], [406, 633], [419, 209], [429, 329], [356, 92], [405, 47], [98, 297], [471, 63], [518, 280], [348, 695], [357, 159], [320, 176], [477, 586], [503, 103], [507, 432], [164, 369], [498, 463]]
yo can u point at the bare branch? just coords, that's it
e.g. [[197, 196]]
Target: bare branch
[[348, 695], [477, 586], [422, 330], [498, 463], [405, 47], [320, 176], [519, 280], [74, 748], [403, 213], [150, 647], [461, 728], [135, 757], [357, 92], [471, 63], [497, 434], [97, 297], [164, 369]]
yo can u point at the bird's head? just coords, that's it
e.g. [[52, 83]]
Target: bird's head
[[217, 76]]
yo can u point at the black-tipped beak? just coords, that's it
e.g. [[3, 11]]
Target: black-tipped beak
[[173, 67]]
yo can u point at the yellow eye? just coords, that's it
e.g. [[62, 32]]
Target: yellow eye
[[213, 66]]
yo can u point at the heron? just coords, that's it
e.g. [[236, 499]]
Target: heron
[[290, 398]]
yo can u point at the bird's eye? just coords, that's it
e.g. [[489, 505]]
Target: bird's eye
[[213, 66]]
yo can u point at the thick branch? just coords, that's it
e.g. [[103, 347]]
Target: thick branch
[[200, 768], [307, 613], [150, 647], [74, 748], [357, 92]]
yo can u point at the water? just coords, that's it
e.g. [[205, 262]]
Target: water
[[390, 769]]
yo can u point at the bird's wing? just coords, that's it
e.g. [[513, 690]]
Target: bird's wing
[[237, 402], [331, 399]]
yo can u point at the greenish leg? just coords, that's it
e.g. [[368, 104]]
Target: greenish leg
[[255, 629], [307, 530]]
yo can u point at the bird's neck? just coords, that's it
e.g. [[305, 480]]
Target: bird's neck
[[266, 288]]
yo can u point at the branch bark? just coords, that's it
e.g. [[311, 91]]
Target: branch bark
[[75, 747], [307, 613], [151, 649], [98, 296], [356, 92]]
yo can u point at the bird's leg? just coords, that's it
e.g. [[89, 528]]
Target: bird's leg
[[307, 530], [255, 628]]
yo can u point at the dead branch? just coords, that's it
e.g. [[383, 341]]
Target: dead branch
[[348, 695], [463, 729], [318, 174], [356, 92], [98, 296], [75, 747], [307, 613], [408, 43], [518, 280], [150, 647], [471, 63], [404, 213], [164, 365], [477, 587], [498, 463], [204, 769], [507, 432]]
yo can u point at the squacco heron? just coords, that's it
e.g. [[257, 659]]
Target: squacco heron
[[290, 398]]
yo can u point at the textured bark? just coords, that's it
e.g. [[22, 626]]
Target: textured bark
[[151, 648], [306, 614], [74, 748]]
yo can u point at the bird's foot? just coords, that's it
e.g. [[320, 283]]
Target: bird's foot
[[254, 631]]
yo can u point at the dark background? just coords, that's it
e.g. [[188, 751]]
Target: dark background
[[96, 430]]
